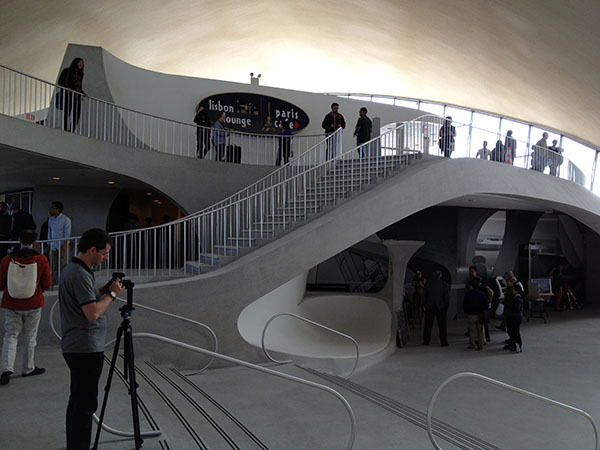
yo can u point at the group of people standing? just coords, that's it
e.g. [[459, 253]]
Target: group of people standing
[[432, 297], [334, 120]]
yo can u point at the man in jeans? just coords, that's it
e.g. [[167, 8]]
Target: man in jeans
[[83, 325], [59, 227], [23, 314]]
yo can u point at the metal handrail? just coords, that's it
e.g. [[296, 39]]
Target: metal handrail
[[508, 387], [123, 125], [164, 313], [152, 433], [263, 370], [304, 319]]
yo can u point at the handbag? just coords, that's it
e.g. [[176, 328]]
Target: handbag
[[500, 309], [59, 98]]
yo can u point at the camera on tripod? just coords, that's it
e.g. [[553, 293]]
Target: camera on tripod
[[128, 285]]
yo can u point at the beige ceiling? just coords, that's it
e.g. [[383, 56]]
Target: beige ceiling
[[535, 60]]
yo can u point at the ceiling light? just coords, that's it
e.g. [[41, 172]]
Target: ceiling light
[[110, 182], [56, 178], [148, 193]]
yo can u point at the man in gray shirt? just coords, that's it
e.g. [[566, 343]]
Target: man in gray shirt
[[83, 325]]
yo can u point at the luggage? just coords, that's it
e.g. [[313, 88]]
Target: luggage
[[233, 154]]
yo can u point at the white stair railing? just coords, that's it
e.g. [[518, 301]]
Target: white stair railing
[[507, 387], [34, 100]]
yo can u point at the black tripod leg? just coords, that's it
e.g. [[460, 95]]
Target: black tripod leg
[[113, 361], [130, 368]]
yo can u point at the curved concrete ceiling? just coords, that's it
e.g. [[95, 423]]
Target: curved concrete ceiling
[[537, 60]]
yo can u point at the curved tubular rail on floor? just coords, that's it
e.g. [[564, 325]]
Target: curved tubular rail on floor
[[264, 370], [153, 433], [313, 323], [505, 386], [164, 313]]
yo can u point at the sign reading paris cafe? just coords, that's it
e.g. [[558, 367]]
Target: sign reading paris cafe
[[254, 113]]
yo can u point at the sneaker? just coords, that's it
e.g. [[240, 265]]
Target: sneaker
[[5, 377], [36, 371]]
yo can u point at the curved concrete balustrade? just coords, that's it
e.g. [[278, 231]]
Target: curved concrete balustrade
[[366, 318], [179, 178], [219, 297]]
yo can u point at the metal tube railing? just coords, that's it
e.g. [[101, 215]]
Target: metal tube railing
[[50, 105], [304, 186], [263, 370], [268, 355], [504, 386]]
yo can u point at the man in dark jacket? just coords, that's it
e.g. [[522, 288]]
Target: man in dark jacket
[[362, 132], [332, 122], [436, 300], [474, 305], [21, 220], [202, 132]]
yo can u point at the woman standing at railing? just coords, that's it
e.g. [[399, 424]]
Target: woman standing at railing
[[72, 78], [219, 136]]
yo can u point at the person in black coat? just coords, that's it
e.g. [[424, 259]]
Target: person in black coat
[[446, 137], [202, 132], [474, 305], [21, 220], [435, 301], [514, 318], [332, 122], [362, 132], [72, 78]]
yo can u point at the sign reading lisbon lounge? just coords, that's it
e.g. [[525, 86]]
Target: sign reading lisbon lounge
[[255, 113]]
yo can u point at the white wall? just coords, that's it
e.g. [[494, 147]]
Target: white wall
[[175, 97]]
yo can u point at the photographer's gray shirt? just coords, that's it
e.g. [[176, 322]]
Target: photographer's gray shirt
[[76, 289]]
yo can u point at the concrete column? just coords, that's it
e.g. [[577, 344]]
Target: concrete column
[[400, 253], [519, 229]]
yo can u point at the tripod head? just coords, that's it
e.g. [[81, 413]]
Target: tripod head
[[126, 309]]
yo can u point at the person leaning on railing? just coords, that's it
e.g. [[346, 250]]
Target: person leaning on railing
[[555, 158], [72, 78]]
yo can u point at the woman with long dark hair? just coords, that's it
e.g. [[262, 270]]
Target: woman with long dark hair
[[72, 78]]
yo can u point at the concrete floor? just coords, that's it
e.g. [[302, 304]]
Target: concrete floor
[[559, 361]]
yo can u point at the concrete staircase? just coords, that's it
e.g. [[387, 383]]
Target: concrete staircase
[[343, 181]]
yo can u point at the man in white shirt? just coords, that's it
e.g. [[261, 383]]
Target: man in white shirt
[[484, 152], [59, 227]]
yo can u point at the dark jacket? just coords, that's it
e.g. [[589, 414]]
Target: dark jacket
[[516, 307], [21, 220], [332, 122], [363, 129], [435, 294], [475, 302], [5, 224], [202, 119], [44, 279]]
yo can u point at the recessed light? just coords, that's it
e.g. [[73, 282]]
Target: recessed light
[[148, 193], [56, 178], [110, 182]]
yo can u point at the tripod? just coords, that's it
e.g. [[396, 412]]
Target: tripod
[[128, 368]]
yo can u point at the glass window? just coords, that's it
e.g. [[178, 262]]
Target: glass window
[[413, 104], [578, 160], [485, 129], [432, 108], [384, 100], [364, 98]]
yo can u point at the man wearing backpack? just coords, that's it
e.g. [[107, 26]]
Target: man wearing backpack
[[24, 276]]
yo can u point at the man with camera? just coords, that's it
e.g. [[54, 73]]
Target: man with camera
[[83, 324]]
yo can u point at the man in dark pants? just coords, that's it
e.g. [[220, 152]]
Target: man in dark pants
[[202, 132], [436, 300], [83, 325], [332, 122], [362, 132]]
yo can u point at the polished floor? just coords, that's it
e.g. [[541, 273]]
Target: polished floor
[[560, 360]]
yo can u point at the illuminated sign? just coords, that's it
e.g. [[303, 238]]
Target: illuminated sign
[[255, 113]]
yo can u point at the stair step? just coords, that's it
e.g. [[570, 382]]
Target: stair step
[[197, 267], [228, 250]]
